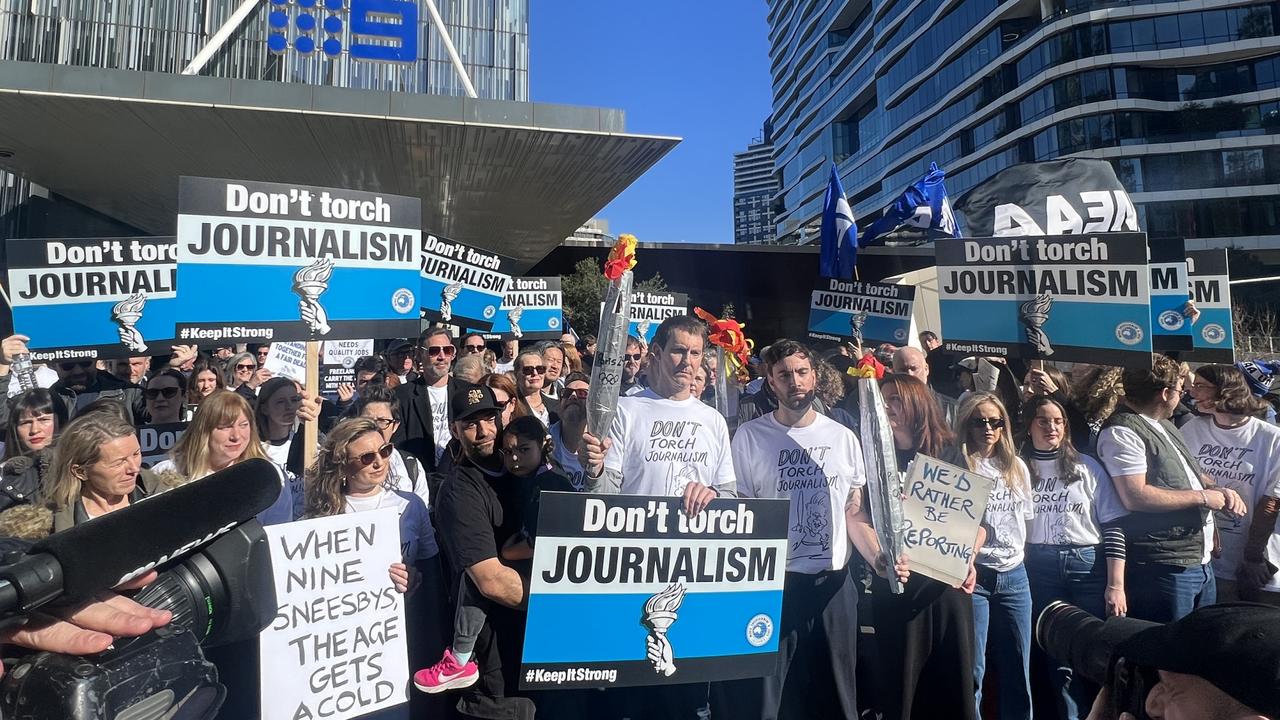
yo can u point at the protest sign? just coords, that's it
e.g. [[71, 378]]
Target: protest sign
[[268, 261], [1075, 298], [336, 648], [649, 309], [287, 359], [460, 284], [156, 440], [942, 510], [1170, 328], [338, 362], [531, 310], [650, 596], [1212, 335], [93, 297], [866, 312]]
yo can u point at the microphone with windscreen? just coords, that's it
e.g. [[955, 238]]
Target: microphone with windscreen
[[111, 549]]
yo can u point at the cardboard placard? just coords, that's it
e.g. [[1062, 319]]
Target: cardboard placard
[[1170, 327], [1213, 334], [276, 262], [879, 312], [942, 510], [460, 284], [654, 597], [336, 648], [532, 309], [337, 362]]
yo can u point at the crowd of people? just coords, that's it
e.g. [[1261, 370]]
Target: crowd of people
[[1142, 492]]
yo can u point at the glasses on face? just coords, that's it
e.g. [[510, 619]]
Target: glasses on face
[[531, 370], [383, 423], [69, 366], [579, 393], [168, 392], [1049, 423], [245, 367], [633, 357], [435, 350], [473, 348], [383, 452], [993, 423]]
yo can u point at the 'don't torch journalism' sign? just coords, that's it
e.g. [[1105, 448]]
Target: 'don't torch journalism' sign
[[532, 309], [649, 309], [1212, 334], [1170, 326], [1073, 298], [93, 297], [460, 284], [628, 590], [865, 312], [270, 261]]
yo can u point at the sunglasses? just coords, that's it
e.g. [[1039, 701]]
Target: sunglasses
[[993, 423], [473, 348], [246, 366], [531, 370], [152, 393], [383, 452], [446, 350], [579, 393], [82, 364], [632, 358]]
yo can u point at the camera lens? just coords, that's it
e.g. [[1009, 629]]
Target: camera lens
[[1076, 638]]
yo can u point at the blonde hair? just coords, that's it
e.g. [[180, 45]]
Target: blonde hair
[[1005, 455], [191, 453], [80, 445], [326, 478]]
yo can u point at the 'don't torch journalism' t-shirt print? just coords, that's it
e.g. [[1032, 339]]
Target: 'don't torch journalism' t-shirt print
[[661, 445]]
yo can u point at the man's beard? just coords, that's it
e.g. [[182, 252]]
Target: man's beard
[[793, 403]]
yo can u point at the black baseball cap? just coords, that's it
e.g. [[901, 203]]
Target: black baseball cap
[[1235, 646], [470, 400]]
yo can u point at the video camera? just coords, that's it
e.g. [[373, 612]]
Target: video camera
[[1089, 646], [215, 577]]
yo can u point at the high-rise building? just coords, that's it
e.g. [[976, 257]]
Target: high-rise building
[[103, 105], [1183, 98], [754, 186]]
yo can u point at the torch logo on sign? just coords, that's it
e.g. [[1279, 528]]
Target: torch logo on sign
[[126, 314], [309, 283], [447, 295], [513, 317], [1033, 314], [855, 326], [659, 615], [643, 329]]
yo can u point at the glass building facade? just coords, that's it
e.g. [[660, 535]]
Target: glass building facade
[[753, 189], [1183, 98]]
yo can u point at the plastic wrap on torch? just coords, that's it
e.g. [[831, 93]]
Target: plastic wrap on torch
[[884, 482], [611, 345]]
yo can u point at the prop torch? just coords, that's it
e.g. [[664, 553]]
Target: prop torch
[[611, 341], [732, 349], [884, 482]]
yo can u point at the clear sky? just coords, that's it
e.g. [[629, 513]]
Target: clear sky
[[696, 69]]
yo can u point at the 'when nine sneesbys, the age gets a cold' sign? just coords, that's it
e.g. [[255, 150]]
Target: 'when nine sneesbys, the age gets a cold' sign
[[628, 590], [1073, 298], [268, 261]]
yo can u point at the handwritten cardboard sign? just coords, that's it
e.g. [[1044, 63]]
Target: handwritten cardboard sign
[[941, 513], [336, 648]]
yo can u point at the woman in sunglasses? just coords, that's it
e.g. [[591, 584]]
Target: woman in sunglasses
[[241, 375], [221, 434], [35, 418], [531, 377], [164, 393], [1067, 558], [1002, 598], [378, 404], [350, 475]]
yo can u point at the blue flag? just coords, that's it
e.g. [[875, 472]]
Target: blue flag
[[924, 206], [839, 232]]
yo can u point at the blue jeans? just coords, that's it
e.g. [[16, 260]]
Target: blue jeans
[[1164, 593], [1074, 574], [1002, 624]]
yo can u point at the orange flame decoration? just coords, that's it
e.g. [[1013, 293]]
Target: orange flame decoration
[[868, 367], [621, 258], [729, 334]]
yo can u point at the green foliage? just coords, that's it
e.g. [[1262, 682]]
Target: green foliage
[[583, 291]]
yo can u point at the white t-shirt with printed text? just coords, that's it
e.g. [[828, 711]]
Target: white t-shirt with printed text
[[439, 397], [1066, 513], [660, 445], [816, 466], [1006, 518]]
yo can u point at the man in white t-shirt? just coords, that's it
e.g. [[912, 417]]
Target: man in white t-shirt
[[796, 453], [666, 442], [1169, 528]]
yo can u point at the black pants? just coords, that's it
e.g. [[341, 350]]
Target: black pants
[[925, 641], [815, 678], [662, 702]]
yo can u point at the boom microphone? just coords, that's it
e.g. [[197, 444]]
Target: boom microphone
[[100, 554]]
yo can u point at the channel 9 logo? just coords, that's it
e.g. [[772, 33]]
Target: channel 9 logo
[[319, 26]]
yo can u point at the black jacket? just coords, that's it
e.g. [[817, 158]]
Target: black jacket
[[106, 386], [416, 434]]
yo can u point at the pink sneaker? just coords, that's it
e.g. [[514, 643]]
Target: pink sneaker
[[448, 674]]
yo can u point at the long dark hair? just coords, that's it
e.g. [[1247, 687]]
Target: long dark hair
[[1234, 396], [261, 411], [1068, 461], [37, 401], [921, 413]]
